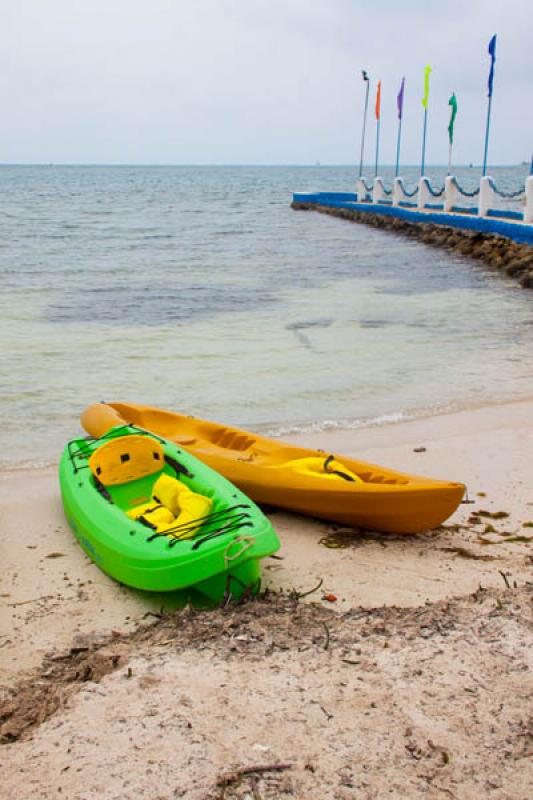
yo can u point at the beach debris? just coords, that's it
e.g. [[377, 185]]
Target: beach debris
[[528, 524], [299, 595], [33, 600], [491, 514], [463, 552], [236, 775], [508, 538], [481, 494], [342, 538], [438, 749], [419, 449], [504, 576], [55, 555], [330, 598]]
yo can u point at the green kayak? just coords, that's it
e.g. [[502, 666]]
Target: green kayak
[[154, 517]]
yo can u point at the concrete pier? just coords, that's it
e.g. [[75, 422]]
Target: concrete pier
[[503, 243]]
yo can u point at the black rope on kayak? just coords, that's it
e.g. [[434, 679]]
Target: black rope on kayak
[[142, 519], [180, 532], [76, 454], [84, 452], [344, 475], [211, 519], [235, 520], [205, 529], [101, 488], [235, 526], [151, 509], [179, 469], [214, 517]]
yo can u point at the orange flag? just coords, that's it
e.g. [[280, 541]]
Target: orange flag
[[378, 100]]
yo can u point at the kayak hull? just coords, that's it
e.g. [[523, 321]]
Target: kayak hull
[[383, 500], [226, 563]]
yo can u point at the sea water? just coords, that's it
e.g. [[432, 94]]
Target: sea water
[[198, 289]]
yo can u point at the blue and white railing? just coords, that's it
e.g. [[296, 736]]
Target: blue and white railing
[[448, 197]]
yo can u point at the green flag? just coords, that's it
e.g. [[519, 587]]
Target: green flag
[[453, 103], [425, 99]]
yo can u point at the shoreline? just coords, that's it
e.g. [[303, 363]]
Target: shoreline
[[299, 432]]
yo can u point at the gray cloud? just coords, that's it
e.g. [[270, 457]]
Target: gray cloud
[[257, 81]]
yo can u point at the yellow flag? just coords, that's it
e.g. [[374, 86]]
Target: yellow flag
[[425, 99]]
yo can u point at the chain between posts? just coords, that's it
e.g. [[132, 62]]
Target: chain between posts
[[409, 194], [464, 192], [434, 192], [507, 195]]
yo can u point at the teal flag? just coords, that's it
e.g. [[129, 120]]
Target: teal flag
[[453, 103]]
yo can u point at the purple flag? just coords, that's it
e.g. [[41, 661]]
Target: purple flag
[[400, 99], [492, 53]]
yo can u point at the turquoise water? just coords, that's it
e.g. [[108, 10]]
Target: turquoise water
[[199, 289]]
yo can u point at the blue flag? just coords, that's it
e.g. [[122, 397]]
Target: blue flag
[[492, 53]]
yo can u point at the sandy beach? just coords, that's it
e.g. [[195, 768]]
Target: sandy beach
[[404, 673]]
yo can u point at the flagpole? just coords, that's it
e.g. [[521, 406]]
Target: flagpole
[[367, 81], [398, 148], [377, 147], [492, 53], [423, 164], [487, 131], [399, 103]]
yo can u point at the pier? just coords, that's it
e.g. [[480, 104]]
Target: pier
[[502, 238]]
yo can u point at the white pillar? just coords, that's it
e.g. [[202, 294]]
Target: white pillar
[[451, 193], [361, 191], [424, 195], [378, 190], [397, 192], [528, 210], [486, 196]]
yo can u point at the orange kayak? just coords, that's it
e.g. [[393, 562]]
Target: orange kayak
[[300, 479]]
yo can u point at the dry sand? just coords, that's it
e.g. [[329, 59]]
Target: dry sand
[[424, 697]]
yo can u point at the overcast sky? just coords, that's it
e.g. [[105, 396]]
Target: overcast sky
[[258, 81]]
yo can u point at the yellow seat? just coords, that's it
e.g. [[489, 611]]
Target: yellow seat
[[173, 505], [126, 459], [318, 467]]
